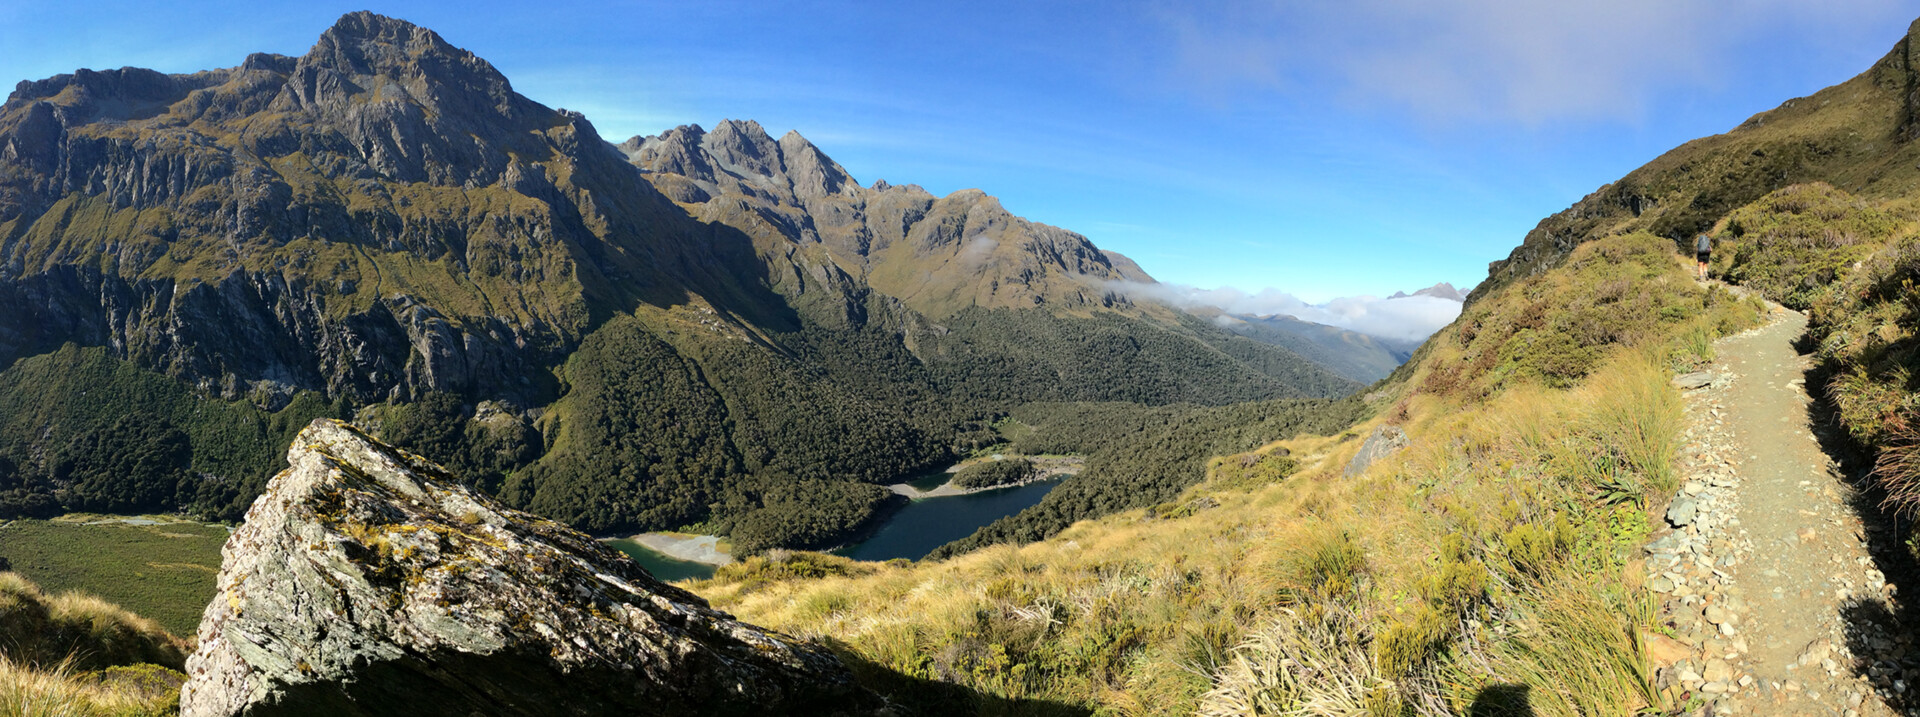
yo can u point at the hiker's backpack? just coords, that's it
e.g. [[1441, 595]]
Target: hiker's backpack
[[1702, 244]]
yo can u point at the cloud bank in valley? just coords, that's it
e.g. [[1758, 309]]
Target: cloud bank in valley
[[1407, 318]]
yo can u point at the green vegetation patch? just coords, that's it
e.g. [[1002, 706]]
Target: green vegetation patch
[[165, 572], [781, 565], [1247, 471], [1556, 328], [1864, 328], [82, 430], [990, 473], [1794, 242], [1139, 456]]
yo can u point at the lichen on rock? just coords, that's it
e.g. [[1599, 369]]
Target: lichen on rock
[[1383, 442], [367, 580]]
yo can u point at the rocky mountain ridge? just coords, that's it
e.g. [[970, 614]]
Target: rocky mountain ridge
[[700, 326], [1442, 290], [938, 255]]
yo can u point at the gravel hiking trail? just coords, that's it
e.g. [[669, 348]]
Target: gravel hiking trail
[[1770, 564]]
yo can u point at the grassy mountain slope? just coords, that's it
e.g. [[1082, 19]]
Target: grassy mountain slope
[[74, 654], [1857, 136], [1492, 553]]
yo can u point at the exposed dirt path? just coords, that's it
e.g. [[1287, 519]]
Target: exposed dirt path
[[1763, 576]]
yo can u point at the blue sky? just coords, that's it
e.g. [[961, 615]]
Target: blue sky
[[1321, 149]]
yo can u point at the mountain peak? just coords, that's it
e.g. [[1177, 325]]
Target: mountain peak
[[413, 61], [744, 148], [363, 43], [811, 171], [370, 25], [1442, 290]]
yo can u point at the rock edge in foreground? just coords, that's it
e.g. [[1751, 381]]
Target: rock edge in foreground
[[367, 580]]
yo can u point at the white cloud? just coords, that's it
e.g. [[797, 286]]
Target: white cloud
[[1524, 61], [1411, 318]]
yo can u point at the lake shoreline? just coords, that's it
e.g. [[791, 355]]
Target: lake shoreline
[[705, 549], [922, 526], [1045, 469], [948, 489], [684, 546]]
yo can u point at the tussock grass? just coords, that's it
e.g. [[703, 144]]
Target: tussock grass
[[1575, 651], [74, 654], [1312, 664], [1486, 564], [75, 628], [60, 691], [1637, 420]]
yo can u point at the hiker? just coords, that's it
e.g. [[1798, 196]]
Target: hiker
[[1702, 245]]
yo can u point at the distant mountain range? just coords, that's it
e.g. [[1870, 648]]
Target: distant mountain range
[[714, 328], [1351, 354], [1442, 290]]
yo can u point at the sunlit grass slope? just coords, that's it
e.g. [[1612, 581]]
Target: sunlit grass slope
[[1486, 565], [164, 572], [76, 655]]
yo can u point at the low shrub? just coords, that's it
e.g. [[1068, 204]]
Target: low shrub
[[1247, 471], [994, 472], [59, 690], [1792, 244], [778, 565]]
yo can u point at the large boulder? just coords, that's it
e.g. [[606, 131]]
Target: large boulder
[[367, 580], [1385, 441]]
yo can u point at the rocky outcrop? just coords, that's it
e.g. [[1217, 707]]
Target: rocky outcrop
[[368, 581], [1385, 441]]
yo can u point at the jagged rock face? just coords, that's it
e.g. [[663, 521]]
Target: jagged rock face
[[381, 217], [820, 232], [368, 581]]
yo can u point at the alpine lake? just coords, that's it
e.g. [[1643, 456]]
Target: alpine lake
[[910, 532]]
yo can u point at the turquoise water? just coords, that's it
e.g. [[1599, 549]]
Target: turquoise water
[[663, 567], [929, 523], [911, 532]]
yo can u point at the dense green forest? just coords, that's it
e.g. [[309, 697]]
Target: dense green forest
[[1138, 456], [81, 430], [639, 440], [779, 444], [1005, 357]]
